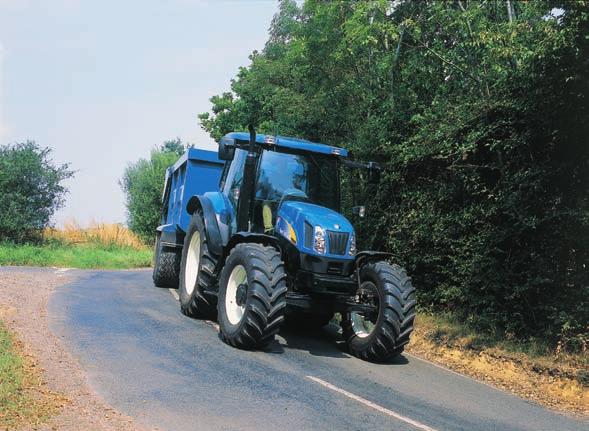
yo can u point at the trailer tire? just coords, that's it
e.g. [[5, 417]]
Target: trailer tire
[[197, 272], [252, 296], [166, 266], [396, 314]]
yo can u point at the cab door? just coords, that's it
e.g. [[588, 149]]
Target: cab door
[[232, 185]]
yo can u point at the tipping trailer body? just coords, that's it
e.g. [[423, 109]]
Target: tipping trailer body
[[195, 173]]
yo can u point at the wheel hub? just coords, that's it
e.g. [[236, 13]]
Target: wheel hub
[[364, 322], [236, 294], [241, 295]]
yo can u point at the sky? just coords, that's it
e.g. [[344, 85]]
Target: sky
[[104, 82]]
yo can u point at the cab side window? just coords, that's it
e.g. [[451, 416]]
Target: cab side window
[[232, 183]]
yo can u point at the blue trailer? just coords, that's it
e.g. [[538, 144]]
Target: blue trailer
[[195, 173], [260, 241]]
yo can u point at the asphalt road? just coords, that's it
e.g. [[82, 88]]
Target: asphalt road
[[166, 370]]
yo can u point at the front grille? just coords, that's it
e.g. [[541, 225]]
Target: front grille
[[338, 242]]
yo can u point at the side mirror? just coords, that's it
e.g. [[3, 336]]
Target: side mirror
[[373, 173], [360, 211], [226, 149]]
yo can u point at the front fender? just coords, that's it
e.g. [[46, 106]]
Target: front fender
[[363, 257]]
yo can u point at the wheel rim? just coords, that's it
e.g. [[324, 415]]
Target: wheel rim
[[192, 263], [233, 310], [364, 324]]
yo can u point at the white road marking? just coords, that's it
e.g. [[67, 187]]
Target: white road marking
[[371, 404], [174, 294]]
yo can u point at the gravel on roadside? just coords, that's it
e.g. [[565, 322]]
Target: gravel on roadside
[[24, 294]]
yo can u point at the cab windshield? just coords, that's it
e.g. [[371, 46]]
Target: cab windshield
[[304, 177]]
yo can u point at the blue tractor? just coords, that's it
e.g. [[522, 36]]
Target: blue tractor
[[270, 246]]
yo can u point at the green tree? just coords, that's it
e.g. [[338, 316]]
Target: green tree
[[173, 146], [143, 183], [478, 112], [32, 190]]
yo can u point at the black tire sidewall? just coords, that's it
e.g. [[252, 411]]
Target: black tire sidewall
[[396, 314]]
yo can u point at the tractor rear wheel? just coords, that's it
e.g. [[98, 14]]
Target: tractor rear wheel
[[196, 272], [381, 335], [252, 296], [166, 265]]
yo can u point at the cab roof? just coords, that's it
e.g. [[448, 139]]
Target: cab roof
[[291, 143]]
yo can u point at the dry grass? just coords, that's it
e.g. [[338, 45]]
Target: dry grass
[[104, 234], [24, 397], [529, 370], [99, 246]]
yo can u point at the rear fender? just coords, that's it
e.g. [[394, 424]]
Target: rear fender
[[213, 233]]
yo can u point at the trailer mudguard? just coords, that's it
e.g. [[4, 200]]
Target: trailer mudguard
[[170, 236]]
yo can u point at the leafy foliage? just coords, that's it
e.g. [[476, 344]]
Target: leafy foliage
[[32, 190], [480, 120], [143, 183]]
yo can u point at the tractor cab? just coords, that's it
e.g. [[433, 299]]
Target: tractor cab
[[294, 198]]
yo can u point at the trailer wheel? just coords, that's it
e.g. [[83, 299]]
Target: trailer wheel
[[383, 334], [252, 296], [196, 272], [166, 266]]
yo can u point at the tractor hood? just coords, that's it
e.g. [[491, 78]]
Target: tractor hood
[[298, 214]]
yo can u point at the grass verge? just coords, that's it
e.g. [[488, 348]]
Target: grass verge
[[23, 398], [529, 369], [85, 255]]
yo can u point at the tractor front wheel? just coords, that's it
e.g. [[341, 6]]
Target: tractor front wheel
[[252, 296], [382, 334]]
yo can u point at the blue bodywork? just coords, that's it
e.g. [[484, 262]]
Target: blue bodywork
[[195, 173], [299, 213]]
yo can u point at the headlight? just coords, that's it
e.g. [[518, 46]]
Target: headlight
[[352, 245], [319, 240]]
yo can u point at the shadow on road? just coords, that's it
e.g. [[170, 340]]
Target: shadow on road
[[326, 342]]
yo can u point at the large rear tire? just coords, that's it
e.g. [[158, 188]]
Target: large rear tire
[[384, 334], [166, 265], [252, 296], [197, 272]]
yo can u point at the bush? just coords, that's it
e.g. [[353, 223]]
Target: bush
[[480, 121], [32, 190], [143, 183]]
